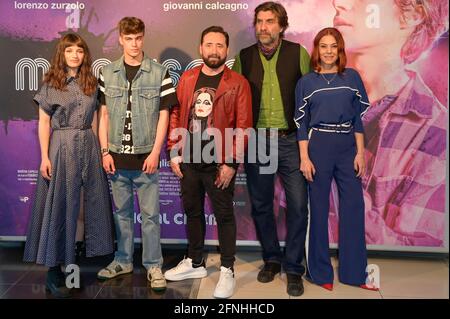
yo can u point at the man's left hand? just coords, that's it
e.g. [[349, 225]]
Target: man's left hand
[[151, 163], [225, 175]]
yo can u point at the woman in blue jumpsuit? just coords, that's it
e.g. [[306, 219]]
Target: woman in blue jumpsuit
[[70, 162], [329, 105]]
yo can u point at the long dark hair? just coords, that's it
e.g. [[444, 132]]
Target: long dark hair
[[57, 74]]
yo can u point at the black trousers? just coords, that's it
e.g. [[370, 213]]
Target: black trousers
[[198, 179]]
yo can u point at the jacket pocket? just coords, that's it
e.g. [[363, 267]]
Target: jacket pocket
[[113, 97], [113, 93], [149, 93], [149, 102]]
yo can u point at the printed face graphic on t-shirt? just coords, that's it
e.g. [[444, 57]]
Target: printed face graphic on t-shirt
[[201, 112], [203, 105]]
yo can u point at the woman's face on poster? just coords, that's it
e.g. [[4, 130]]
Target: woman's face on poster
[[367, 23], [203, 105]]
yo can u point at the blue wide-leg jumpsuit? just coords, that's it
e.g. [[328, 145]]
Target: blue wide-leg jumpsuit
[[328, 114]]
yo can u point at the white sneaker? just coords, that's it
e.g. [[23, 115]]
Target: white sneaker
[[227, 283], [184, 270], [114, 269], [156, 278]]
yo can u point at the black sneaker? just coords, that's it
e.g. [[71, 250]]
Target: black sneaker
[[294, 285], [56, 284], [269, 271]]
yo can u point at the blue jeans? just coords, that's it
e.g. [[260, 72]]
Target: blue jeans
[[261, 191], [147, 188]]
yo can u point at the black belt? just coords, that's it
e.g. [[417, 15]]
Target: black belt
[[281, 133]]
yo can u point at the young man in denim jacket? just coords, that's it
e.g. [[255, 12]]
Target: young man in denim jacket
[[136, 94]]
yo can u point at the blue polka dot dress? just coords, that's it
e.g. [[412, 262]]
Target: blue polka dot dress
[[76, 162]]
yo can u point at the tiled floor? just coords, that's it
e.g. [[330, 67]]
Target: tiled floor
[[399, 278], [20, 280]]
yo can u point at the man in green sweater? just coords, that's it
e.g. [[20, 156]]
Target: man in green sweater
[[273, 66]]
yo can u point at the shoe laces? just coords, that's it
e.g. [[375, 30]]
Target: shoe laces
[[156, 273], [113, 266], [225, 273], [181, 263]]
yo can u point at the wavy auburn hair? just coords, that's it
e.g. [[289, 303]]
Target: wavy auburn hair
[[342, 58], [57, 74]]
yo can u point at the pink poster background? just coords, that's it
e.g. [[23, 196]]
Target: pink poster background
[[408, 212]]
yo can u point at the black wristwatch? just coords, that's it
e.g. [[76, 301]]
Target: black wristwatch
[[105, 151]]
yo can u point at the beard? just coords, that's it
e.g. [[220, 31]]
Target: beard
[[214, 64], [268, 40]]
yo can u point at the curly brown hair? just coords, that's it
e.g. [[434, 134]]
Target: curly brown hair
[[57, 74], [278, 10]]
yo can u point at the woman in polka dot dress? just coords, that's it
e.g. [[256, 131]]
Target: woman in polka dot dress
[[70, 164]]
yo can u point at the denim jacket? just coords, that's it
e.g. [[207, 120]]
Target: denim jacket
[[145, 99]]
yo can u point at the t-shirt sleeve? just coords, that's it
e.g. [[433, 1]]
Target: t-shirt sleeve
[[101, 89], [360, 103], [42, 99], [301, 117], [168, 94]]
